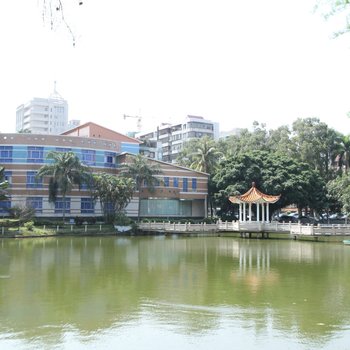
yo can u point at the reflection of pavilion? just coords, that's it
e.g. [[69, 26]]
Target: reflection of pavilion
[[254, 268], [254, 196]]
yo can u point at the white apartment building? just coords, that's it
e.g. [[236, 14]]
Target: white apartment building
[[171, 137], [47, 116]]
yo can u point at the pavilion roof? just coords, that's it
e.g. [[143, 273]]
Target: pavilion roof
[[254, 196]]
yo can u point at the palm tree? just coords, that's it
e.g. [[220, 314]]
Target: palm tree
[[65, 171], [3, 185], [205, 156], [144, 173], [344, 155]]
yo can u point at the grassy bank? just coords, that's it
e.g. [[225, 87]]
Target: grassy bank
[[14, 228]]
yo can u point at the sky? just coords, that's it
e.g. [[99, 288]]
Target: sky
[[231, 61]]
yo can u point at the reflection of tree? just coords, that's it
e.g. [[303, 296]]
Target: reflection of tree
[[192, 284]]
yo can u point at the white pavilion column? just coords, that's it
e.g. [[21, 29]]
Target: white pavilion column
[[244, 212], [240, 212], [250, 211], [257, 212], [263, 212], [268, 212]]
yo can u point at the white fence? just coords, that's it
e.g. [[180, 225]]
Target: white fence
[[248, 226], [178, 227]]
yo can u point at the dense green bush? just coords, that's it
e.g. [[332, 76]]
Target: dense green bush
[[29, 225]]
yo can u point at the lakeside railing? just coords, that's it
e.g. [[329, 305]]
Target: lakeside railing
[[248, 226]]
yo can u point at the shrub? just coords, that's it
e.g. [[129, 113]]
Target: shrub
[[29, 225], [122, 220]]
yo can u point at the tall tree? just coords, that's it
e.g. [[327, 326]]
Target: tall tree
[[64, 172], [113, 192], [247, 141], [344, 153], [200, 155], [144, 174], [316, 144]]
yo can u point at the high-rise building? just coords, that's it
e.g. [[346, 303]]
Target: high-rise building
[[171, 137], [47, 116]]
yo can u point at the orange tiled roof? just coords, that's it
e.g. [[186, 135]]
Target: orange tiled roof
[[254, 196]]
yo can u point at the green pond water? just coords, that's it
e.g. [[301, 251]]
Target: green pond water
[[173, 293]]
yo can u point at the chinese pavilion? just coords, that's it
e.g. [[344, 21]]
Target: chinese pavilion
[[254, 196]]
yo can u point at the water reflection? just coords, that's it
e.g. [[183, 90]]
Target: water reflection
[[94, 288]]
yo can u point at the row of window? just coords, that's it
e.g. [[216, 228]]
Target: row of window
[[35, 154], [87, 205], [175, 181], [33, 182]]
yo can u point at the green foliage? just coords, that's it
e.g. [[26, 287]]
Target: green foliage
[[29, 225], [3, 185], [339, 193], [316, 144], [122, 220], [200, 154], [274, 174], [113, 192]]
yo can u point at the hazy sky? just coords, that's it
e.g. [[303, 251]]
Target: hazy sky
[[231, 61]]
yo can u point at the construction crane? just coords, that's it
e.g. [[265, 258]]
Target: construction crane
[[139, 119]]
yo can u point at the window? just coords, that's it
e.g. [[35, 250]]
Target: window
[[109, 159], [5, 154], [36, 203], [166, 181], [185, 184], [61, 205], [35, 154], [8, 177], [165, 207], [5, 206], [87, 206], [88, 156], [194, 184], [32, 181], [176, 181]]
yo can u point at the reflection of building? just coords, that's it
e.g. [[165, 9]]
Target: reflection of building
[[172, 136], [47, 116], [181, 192]]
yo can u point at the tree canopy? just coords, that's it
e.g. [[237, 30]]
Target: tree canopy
[[274, 174], [113, 192]]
